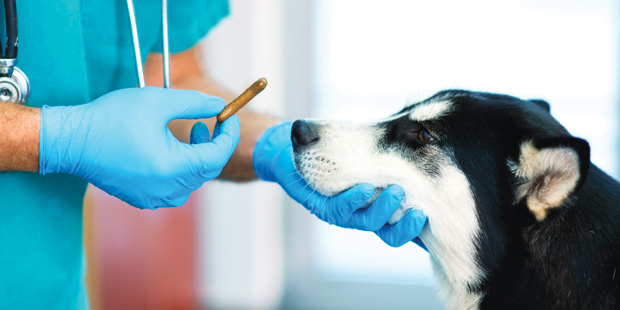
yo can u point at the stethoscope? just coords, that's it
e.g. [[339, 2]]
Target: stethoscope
[[14, 84], [136, 43]]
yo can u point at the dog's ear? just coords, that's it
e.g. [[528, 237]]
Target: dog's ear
[[541, 103], [549, 172]]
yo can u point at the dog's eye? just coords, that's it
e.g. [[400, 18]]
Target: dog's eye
[[424, 135]]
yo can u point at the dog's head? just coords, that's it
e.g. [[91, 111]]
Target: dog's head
[[467, 159]]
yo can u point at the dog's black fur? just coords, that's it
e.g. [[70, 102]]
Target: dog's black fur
[[547, 234], [568, 260]]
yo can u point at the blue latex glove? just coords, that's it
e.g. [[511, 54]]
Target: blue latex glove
[[273, 161], [121, 144]]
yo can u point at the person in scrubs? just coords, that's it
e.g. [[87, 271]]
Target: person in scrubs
[[86, 122]]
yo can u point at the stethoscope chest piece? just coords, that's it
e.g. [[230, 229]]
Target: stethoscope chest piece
[[14, 84]]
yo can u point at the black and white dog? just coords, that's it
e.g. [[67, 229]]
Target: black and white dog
[[518, 217]]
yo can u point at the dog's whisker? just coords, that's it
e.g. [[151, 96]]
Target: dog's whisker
[[299, 179], [309, 195], [324, 202], [302, 189], [292, 173]]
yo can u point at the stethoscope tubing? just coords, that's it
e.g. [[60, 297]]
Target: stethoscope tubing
[[165, 50], [11, 30], [14, 84], [136, 43]]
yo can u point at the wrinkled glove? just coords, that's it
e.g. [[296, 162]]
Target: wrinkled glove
[[273, 161], [121, 144]]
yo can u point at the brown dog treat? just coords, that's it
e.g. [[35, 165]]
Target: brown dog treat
[[242, 100]]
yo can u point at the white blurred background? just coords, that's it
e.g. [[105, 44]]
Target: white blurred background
[[361, 59]]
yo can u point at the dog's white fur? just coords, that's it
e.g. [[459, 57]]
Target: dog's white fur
[[340, 160], [429, 111], [424, 111]]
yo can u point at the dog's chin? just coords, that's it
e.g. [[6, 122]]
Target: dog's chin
[[326, 178], [321, 174], [326, 186]]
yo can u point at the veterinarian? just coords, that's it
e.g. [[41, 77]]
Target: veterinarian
[[85, 121]]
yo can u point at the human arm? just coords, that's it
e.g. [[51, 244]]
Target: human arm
[[19, 137]]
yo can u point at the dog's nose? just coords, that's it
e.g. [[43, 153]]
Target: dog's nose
[[304, 133]]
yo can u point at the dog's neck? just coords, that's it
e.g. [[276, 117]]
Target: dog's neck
[[450, 237], [456, 272]]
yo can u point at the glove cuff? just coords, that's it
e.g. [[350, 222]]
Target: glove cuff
[[268, 148], [55, 138]]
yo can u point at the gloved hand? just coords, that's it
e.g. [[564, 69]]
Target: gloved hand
[[121, 144], [273, 161]]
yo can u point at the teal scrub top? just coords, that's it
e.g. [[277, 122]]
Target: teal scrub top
[[73, 51]]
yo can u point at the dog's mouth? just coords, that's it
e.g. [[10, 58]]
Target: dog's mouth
[[320, 172]]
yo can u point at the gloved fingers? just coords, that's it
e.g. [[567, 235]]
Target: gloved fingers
[[380, 211], [277, 136], [274, 144], [407, 229], [296, 187], [216, 153], [217, 129], [177, 201], [341, 207], [189, 104], [230, 127], [199, 133], [289, 179]]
